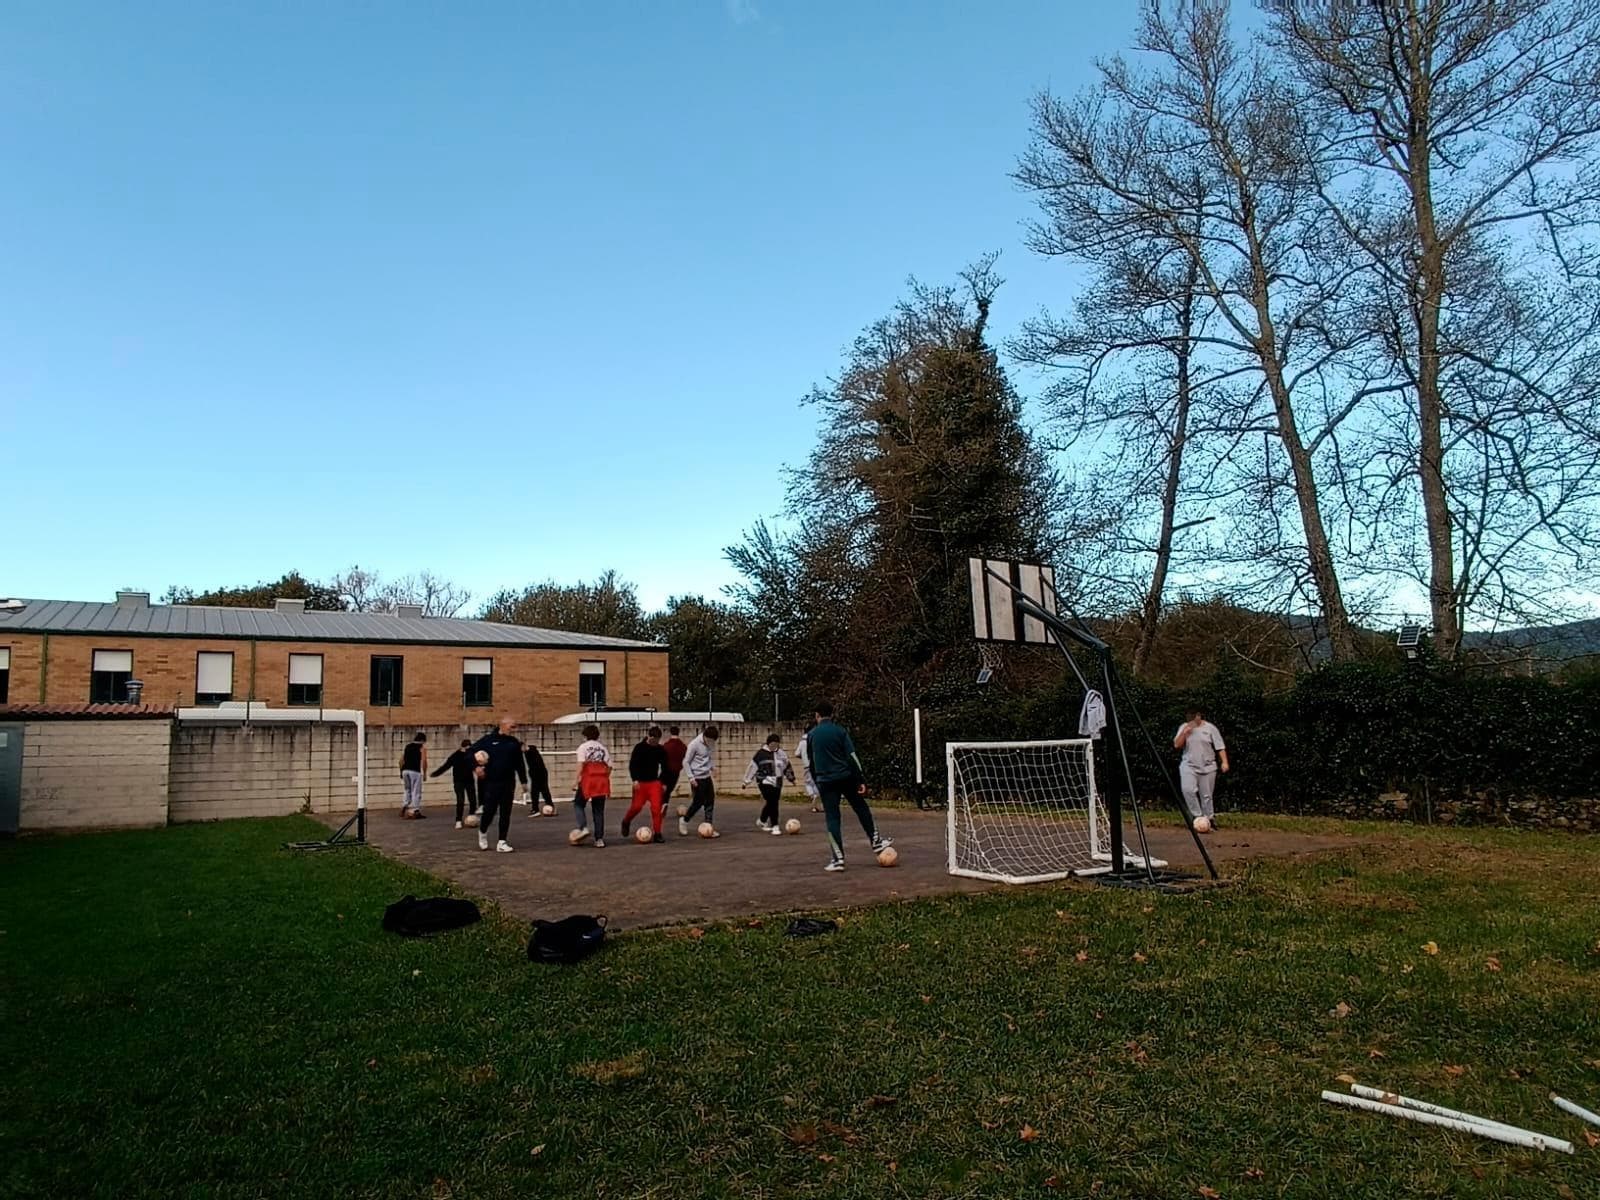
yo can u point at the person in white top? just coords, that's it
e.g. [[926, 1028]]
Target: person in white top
[[699, 762], [1203, 753], [594, 784], [802, 754]]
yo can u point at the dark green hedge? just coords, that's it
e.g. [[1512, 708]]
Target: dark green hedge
[[1339, 733]]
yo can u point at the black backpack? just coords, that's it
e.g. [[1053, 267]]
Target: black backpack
[[567, 940], [411, 917]]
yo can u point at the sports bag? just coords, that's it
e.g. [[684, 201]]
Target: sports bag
[[567, 940], [410, 917]]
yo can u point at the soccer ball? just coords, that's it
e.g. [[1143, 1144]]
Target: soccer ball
[[792, 825], [549, 810], [1202, 824], [482, 758], [888, 856], [683, 810], [576, 836], [706, 830], [470, 820], [643, 834]]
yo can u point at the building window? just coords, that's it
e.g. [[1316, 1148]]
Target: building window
[[591, 685], [108, 676], [477, 682], [213, 677], [5, 674], [388, 679], [305, 679]]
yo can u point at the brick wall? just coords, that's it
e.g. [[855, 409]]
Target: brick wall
[[530, 684], [94, 774]]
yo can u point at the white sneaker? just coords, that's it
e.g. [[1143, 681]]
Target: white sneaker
[[459, 825], [683, 827], [583, 836], [881, 843], [776, 829], [599, 843], [483, 840], [836, 864], [762, 824], [503, 847]]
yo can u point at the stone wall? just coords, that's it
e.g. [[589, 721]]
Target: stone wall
[[86, 774]]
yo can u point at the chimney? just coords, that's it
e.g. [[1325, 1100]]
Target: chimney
[[133, 599], [410, 611], [134, 686], [291, 608]]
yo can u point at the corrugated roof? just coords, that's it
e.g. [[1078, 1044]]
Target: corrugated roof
[[198, 621], [30, 712]]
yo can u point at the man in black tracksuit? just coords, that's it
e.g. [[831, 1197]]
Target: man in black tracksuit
[[498, 780], [461, 767]]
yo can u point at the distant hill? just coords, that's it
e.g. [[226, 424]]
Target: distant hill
[[1558, 643]]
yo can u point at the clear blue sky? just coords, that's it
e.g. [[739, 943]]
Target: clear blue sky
[[508, 290]]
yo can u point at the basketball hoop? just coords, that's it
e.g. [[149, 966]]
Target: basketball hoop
[[988, 662]]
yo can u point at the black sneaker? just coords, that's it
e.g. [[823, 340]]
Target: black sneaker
[[421, 816], [625, 830], [657, 840], [881, 843]]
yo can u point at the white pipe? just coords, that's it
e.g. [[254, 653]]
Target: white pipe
[[1437, 1110], [1577, 1110], [247, 713], [916, 731], [1498, 1133]]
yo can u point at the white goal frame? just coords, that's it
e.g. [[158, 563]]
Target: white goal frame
[[1098, 835]]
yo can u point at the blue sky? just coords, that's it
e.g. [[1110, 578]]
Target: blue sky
[[504, 290]]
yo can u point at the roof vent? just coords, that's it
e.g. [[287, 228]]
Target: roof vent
[[133, 599], [291, 607], [410, 611]]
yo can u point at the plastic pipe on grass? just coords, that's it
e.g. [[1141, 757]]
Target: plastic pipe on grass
[[1498, 1133], [1438, 1110], [1577, 1110]]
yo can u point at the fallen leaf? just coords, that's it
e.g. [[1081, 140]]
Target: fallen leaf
[[1455, 1072], [1492, 963], [1139, 957], [1565, 1192], [802, 1135], [1096, 1186], [1208, 1193], [537, 1150], [903, 946], [1053, 1183], [417, 972], [1407, 969], [893, 1166], [1201, 942], [1082, 956], [753, 923], [1148, 908], [1430, 948], [1029, 1133], [1592, 1138], [826, 1158], [990, 1125], [883, 1101], [1345, 1078], [927, 999], [1254, 1173], [1137, 1052], [697, 933], [1376, 1054], [372, 1064], [1029, 952], [1341, 1010]]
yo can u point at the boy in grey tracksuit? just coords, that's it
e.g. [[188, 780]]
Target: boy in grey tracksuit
[[1203, 753]]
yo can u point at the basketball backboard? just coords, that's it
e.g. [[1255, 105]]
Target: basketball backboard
[[996, 615]]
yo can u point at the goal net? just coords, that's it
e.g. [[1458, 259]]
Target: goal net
[[1026, 812]]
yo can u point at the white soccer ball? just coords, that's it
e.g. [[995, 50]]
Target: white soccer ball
[[576, 836], [643, 834], [549, 810], [1202, 824], [470, 820], [792, 825], [482, 758], [706, 830], [888, 856]]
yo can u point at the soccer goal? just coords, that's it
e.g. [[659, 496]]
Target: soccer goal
[[1027, 812]]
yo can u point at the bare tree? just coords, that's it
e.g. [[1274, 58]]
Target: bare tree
[[1459, 152], [1201, 153], [367, 591]]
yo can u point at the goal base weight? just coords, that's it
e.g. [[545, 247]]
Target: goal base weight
[[1176, 883], [338, 838]]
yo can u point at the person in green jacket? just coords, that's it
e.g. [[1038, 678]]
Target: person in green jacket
[[837, 770]]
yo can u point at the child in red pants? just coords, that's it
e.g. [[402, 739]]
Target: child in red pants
[[646, 767]]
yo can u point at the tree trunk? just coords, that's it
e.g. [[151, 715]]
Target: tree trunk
[[1150, 616]]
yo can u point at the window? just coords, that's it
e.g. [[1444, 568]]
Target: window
[[388, 679], [108, 676], [305, 679], [5, 674], [591, 685], [213, 677], [477, 682]]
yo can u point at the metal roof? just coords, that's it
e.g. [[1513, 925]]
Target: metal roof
[[141, 619]]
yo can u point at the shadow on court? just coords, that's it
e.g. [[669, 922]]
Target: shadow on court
[[745, 872]]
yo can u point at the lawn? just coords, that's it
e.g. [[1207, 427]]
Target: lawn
[[197, 1012]]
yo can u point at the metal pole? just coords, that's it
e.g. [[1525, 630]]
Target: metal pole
[[916, 736]]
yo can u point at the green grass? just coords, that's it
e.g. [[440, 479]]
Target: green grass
[[196, 1012]]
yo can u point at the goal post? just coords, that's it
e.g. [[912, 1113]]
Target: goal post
[[1027, 812]]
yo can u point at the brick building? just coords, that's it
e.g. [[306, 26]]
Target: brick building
[[402, 668]]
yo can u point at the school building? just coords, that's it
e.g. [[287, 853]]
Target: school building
[[402, 668]]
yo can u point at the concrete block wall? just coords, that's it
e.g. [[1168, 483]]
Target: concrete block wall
[[94, 774], [265, 770]]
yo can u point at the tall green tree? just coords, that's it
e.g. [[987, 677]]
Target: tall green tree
[[319, 597], [608, 607]]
